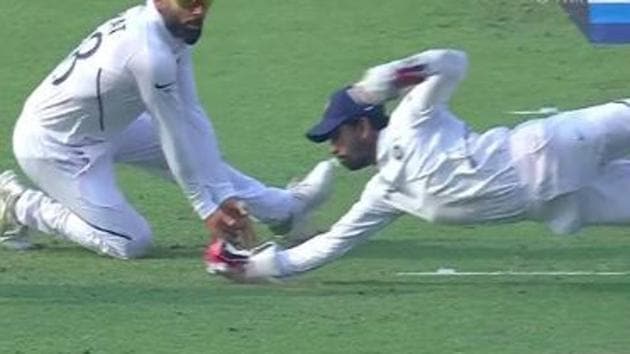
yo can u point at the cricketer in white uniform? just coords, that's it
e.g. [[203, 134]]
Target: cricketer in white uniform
[[126, 95], [566, 170]]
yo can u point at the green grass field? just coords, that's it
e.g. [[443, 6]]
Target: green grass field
[[264, 70]]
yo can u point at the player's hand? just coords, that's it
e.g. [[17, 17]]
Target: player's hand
[[409, 75], [224, 259], [388, 81], [244, 266], [231, 222]]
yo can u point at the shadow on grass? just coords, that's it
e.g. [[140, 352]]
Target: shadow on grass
[[420, 249], [583, 283], [234, 294], [402, 249], [172, 251], [177, 251]]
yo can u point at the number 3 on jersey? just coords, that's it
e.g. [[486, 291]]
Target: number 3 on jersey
[[85, 50]]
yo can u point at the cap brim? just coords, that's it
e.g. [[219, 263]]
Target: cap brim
[[323, 130]]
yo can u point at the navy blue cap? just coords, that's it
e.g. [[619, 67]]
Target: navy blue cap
[[341, 109]]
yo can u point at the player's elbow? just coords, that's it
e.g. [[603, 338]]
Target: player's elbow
[[452, 63], [456, 63]]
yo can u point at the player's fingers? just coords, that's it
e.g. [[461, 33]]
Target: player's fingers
[[219, 233], [232, 236], [241, 208], [235, 208], [227, 221], [249, 235], [233, 226], [410, 75]]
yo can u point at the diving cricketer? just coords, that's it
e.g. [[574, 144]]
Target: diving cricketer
[[568, 170]]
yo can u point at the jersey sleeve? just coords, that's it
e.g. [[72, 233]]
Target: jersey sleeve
[[364, 218], [445, 70], [187, 137], [442, 70]]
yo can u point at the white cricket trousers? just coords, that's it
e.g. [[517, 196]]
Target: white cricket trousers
[[576, 167], [79, 198]]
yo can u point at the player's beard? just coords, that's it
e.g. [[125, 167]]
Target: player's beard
[[359, 153], [355, 159], [190, 35], [354, 164]]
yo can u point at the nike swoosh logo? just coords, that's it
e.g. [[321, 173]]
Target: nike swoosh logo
[[161, 87]]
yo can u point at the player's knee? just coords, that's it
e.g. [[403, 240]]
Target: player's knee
[[136, 243], [138, 247]]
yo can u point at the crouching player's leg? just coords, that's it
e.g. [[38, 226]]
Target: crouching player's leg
[[86, 208]]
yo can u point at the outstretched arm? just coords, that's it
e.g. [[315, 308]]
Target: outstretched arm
[[186, 135], [365, 218], [188, 140]]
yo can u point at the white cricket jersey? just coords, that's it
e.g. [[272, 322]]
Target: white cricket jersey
[[429, 164], [129, 65]]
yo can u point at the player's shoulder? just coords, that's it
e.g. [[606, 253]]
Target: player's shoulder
[[158, 50], [158, 65], [126, 31], [160, 61], [151, 49]]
